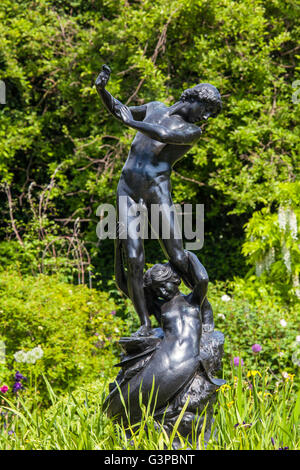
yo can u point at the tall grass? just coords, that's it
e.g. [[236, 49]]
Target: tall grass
[[254, 411]]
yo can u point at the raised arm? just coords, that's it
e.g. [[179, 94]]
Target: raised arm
[[112, 104]]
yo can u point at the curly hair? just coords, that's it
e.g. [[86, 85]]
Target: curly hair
[[206, 93], [159, 274]]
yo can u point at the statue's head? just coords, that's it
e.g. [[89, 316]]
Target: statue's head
[[162, 280], [203, 101]]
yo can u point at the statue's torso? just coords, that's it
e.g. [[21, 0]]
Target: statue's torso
[[149, 163]]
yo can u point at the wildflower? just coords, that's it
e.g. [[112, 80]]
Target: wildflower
[[265, 394], [253, 373], [20, 356], [38, 352], [34, 355], [256, 348], [298, 339], [283, 322], [288, 377], [225, 298], [237, 361], [244, 425], [113, 312], [4, 389], [221, 315], [19, 376], [224, 387], [230, 403], [279, 448], [17, 386]]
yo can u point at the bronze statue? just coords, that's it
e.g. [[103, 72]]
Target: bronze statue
[[180, 358], [165, 134]]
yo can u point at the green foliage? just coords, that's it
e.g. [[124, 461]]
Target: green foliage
[[272, 242], [253, 412], [248, 313], [76, 328], [53, 121]]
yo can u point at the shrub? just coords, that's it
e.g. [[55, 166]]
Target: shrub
[[250, 312], [75, 327]]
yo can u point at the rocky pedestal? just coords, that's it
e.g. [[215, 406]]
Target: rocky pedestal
[[199, 389]]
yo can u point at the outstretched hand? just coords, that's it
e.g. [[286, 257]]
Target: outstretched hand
[[103, 77]]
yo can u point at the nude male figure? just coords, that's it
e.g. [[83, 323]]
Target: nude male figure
[[165, 134]]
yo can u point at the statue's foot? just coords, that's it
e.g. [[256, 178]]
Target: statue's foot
[[144, 330]]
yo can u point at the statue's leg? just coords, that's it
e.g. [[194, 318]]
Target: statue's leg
[[133, 249]]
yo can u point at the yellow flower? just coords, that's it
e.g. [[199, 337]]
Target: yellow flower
[[265, 394], [253, 373], [230, 403], [223, 388], [288, 377]]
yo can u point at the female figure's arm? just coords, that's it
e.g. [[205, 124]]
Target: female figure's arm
[[199, 280]]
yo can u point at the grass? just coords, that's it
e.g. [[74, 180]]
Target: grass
[[255, 410]]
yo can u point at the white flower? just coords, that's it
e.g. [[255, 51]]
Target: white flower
[[298, 339], [285, 375], [281, 354], [293, 224], [34, 355], [283, 322], [286, 257], [20, 356], [38, 352], [225, 298], [282, 216], [30, 358], [221, 315]]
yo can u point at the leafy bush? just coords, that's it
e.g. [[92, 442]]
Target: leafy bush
[[75, 327], [251, 312]]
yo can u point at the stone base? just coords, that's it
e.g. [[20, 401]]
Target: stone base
[[200, 389]]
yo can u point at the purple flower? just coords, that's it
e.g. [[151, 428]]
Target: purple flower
[[17, 386], [237, 361], [113, 312], [19, 376], [273, 442], [256, 348]]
